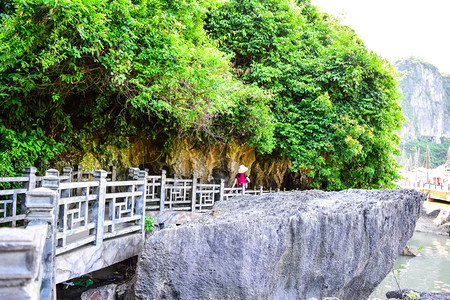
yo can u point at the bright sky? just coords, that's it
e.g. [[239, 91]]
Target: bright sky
[[398, 28]]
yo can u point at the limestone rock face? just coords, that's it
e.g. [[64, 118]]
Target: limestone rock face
[[215, 162], [425, 102], [207, 161], [293, 245]]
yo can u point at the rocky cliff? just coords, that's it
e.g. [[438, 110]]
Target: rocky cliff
[[208, 162], [425, 102], [294, 245]]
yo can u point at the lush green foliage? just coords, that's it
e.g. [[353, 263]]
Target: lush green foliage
[[101, 70], [81, 281], [6, 8], [335, 102], [27, 148], [149, 223]]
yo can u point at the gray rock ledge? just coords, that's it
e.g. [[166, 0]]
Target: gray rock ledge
[[434, 220], [408, 294], [292, 245]]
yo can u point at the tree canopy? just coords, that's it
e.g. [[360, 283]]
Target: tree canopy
[[104, 70], [275, 74], [335, 102]]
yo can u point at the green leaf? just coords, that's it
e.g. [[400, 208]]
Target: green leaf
[[88, 283]]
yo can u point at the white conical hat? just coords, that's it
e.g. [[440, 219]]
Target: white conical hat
[[242, 169]]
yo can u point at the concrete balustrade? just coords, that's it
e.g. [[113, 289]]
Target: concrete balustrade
[[27, 254], [21, 262], [73, 227], [41, 206]]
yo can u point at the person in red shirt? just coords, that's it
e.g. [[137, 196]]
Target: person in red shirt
[[241, 178]]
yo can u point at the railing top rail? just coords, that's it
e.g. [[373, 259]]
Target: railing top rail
[[178, 180], [125, 183], [62, 177], [208, 185], [13, 179], [76, 199], [122, 195], [10, 192], [232, 189], [179, 187], [81, 184], [89, 172]]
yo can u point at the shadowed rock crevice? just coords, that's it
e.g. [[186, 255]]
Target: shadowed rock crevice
[[294, 245]]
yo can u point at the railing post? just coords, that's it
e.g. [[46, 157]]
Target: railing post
[[51, 179], [21, 262], [41, 204], [194, 193], [67, 171], [133, 173], [163, 191], [243, 190], [140, 203], [222, 189], [260, 189], [79, 173], [30, 185], [30, 172], [113, 177], [113, 173], [98, 209]]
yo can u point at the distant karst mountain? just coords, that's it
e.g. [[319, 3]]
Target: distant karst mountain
[[426, 106], [426, 100]]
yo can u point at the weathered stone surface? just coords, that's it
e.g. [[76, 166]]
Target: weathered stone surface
[[442, 218], [274, 172], [106, 292], [20, 257], [408, 251], [407, 294], [173, 217], [123, 290], [294, 245], [434, 220], [207, 161]]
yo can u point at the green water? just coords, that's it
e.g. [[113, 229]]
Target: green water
[[429, 272]]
